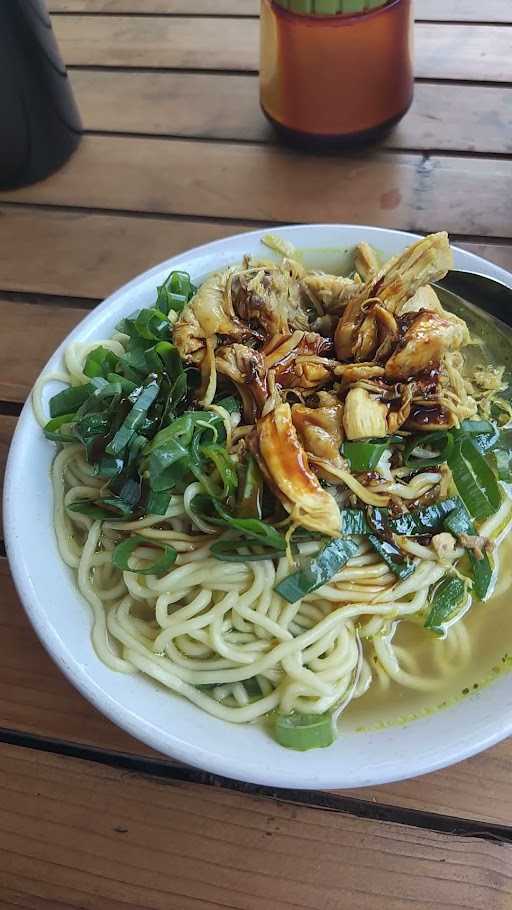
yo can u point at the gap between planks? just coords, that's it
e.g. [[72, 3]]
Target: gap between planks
[[114, 838], [270, 184], [331, 800], [460, 118], [35, 699], [442, 50], [495, 11]]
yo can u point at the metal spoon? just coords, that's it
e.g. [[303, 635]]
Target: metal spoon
[[485, 304], [489, 294]]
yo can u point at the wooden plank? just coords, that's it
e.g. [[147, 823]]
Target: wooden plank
[[460, 118], [164, 7], [500, 254], [437, 10], [442, 51], [35, 698], [91, 836], [35, 330], [462, 10], [248, 858], [469, 196], [87, 255]]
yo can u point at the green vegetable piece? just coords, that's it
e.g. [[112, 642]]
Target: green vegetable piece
[[225, 467], [103, 509], [459, 522], [439, 440], [231, 404], [423, 521], [401, 565], [475, 481], [175, 292], [364, 456], [69, 400], [319, 570], [446, 599], [304, 731], [134, 419], [353, 521], [100, 362], [51, 428], [228, 550], [251, 494], [503, 461], [121, 557]]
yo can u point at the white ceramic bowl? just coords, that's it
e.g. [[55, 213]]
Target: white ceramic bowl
[[157, 717]]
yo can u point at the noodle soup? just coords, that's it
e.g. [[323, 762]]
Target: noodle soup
[[281, 492]]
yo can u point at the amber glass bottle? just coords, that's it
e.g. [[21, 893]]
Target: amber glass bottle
[[335, 80]]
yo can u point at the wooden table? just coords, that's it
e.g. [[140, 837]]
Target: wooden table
[[177, 153]]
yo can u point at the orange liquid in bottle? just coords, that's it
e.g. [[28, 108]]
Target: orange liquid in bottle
[[336, 79]]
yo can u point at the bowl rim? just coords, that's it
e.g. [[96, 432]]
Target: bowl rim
[[105, 702]]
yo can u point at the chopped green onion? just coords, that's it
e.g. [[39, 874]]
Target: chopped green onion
[[175, 292], [446, 599], [249, 505], [400, 564], [475, 481], [503, 462], [319, 570], [304, 731], [52, 426], [364, 456], [230, 404], [438, 440], [225, 468], [100, 362], [121, 557], [459, 522], [353, 521], [103, 509], [477, 427], [423, 521], [134, 419], [69, 400], [228, 550]]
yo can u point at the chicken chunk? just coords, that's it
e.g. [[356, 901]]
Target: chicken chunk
[[364, 416], [330, 291], [426, 260], [285, 463], [244, 366], [424, 342], [444, 545], [207, 315], [270, 299], [366, 261], [425, 298], [320, 432], [298, 363]]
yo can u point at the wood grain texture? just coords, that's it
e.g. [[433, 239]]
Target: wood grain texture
[[30, 333], [442, 51], [87, 255], [121, 839], [460, 118], [440, 10], [35, 698], [467, 196], [76, 253]]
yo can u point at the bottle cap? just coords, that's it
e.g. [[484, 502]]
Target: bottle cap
[[330, 7]]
